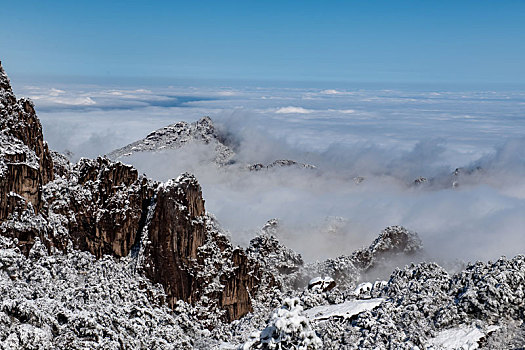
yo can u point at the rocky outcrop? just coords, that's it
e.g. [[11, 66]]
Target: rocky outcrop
[[325, 284], [25, 167], [218, 143], [285, 269], [103, 204], [266, 248], [392, 241], [62, 167], [420, 180], [175, 232], [189, 258], [281, 163], [25, 161]]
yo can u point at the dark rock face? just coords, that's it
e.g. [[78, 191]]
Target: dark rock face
[[105, 207], [176, 231], [19, 182], [184, 254], [239, 286], [107, 219]]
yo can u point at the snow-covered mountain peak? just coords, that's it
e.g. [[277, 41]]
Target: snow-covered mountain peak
[[175, 136]]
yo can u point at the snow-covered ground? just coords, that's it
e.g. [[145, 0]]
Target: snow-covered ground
[[460, 338], [348, 309]]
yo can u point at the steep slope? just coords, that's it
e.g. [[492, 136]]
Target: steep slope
[[184, 251]]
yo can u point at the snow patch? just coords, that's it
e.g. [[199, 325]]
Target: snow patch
[[348, 309], [460, 338]]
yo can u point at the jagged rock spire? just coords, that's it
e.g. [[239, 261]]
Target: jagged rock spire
[[5, 85], [25, 162]]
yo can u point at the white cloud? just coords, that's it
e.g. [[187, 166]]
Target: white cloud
[[331, 92], [344, 111], [226, 93], [75, 101], [56, 92], [57, 97], [335, 92], [293, 110]]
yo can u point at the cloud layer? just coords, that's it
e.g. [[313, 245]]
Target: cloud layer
[[387, 137]]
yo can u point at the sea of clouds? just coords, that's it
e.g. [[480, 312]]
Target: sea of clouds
[[388, 137]]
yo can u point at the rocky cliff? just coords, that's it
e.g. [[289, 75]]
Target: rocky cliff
[[102, 205], [106, 208], [25, 161], [185, 252]]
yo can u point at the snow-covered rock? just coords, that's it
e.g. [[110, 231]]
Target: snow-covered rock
[[177, 135], [288, 328], [74, 301], [280, 163], [103, 207], [323, 284], [392, 242]]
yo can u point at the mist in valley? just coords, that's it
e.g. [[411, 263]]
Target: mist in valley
[[368, 147]]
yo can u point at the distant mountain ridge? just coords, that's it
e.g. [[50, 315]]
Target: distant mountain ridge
[[201, 132], [177, 135]]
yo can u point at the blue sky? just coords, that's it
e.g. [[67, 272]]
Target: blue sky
[[372, 41]]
